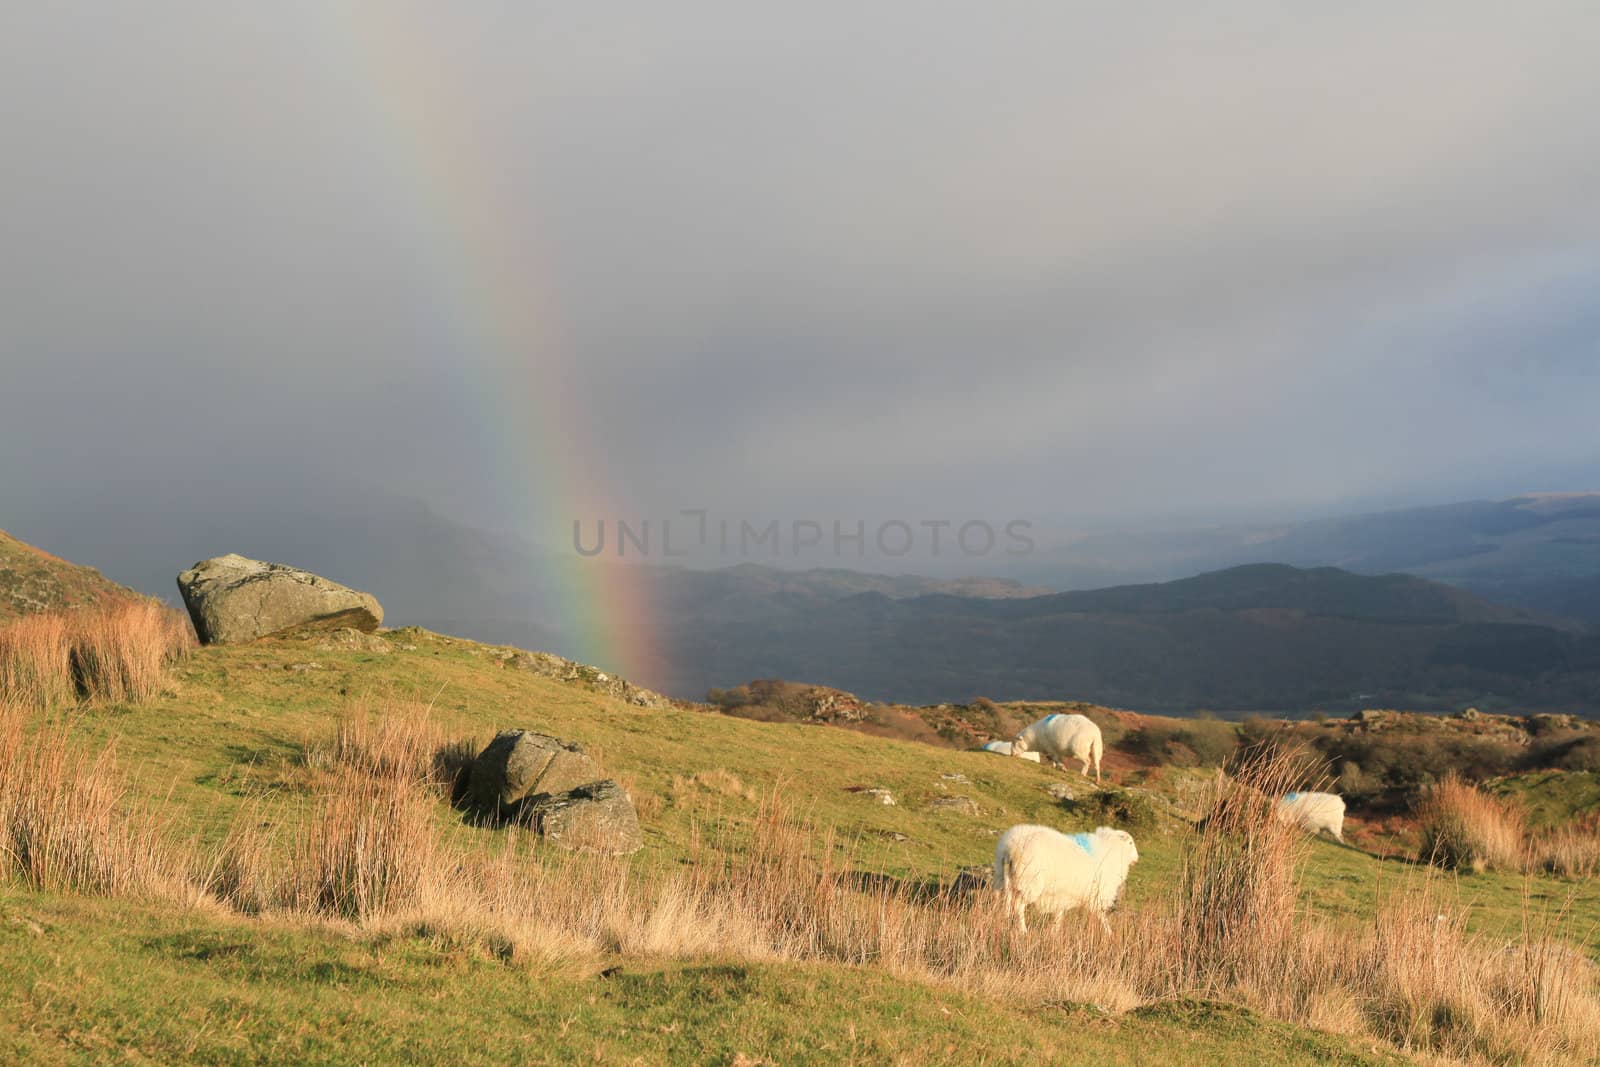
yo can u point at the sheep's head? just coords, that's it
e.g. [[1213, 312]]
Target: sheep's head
[[1019, 745], [1123, 838]]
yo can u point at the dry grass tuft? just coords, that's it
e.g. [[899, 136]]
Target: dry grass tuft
[[1237, 890], [116, 651], [647, 803], [66, 822], [718, 782], [1430, 986], [1464, 828], [369, 849], [396, 741], [1571, 851], [36, 663], [121, 648]]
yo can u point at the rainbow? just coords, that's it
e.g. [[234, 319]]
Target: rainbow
[[495, 302]]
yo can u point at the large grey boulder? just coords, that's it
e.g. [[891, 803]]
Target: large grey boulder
[[233, 599], [597, 817], [521, 763]]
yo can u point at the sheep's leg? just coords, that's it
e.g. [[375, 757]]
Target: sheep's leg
[[1019, 908]]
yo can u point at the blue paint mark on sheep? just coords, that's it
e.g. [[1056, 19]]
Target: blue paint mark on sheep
[[1083, 841], [1052, 718], [1289, 798]]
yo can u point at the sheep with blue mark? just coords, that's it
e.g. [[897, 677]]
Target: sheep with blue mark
[[1059, 737], [1054, 873], [1314, 813]]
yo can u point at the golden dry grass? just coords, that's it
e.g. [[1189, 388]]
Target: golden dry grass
[[1571, 851], [401, 741], [36, 662], [66, 820], [112, 652], [1464, 828]]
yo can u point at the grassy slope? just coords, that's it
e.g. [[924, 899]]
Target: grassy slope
[[33, 580], [231, 729], [82, 978], [1552, 797]]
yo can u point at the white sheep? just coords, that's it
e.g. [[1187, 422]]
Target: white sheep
[[1056, 872], [1314, 813], [1004, 748], [1060, 737]]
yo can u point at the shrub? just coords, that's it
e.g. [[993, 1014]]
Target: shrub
[[1389, 770], [1125, 808], [1151, 741], [1192, 743], [1212, 741], [1464, 828], [1568, 751]]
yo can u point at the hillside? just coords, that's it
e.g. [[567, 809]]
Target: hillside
[[229, 737], [32, 580], [1261, 637], [1540, 551]]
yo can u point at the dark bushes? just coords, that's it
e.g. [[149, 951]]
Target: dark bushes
[[1192, 743]]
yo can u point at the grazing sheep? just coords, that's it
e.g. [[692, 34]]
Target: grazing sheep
[[1314, 813], [1004, 748], [1057, 872], [1061, 736]]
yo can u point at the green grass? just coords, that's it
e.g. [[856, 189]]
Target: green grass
[[94, 981], [33, 580], [1551, 797], [237, 720]]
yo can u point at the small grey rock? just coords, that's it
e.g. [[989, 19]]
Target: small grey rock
[[962, 805]]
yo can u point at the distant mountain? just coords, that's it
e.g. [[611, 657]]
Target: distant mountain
[[1258, 637], [751, 590], [32, 580], [1539, 551], [1227, 636]]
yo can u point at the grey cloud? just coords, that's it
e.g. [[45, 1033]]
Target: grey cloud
[[1021, 258]]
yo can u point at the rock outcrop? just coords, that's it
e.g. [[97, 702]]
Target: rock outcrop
[[519, 764], [592, 678], [596, 817], [233, 599], [554, 787]]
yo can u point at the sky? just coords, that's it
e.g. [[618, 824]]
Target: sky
[[530, 263]]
